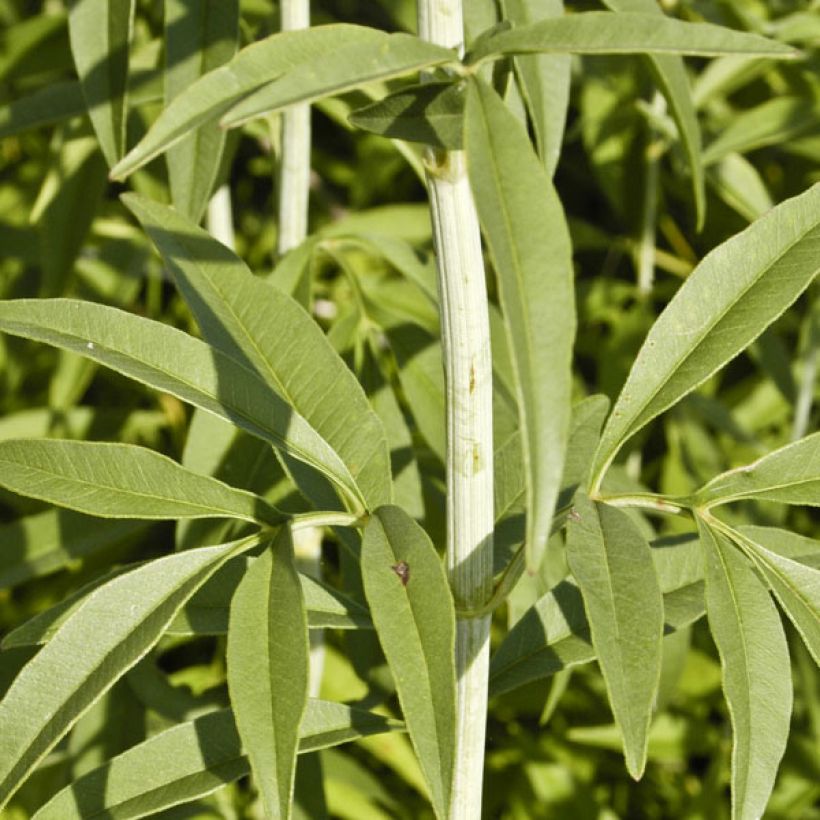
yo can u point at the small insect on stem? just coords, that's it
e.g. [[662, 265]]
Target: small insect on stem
[[574, 515], [402, 569]]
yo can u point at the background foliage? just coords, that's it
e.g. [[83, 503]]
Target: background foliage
[[366, 274]]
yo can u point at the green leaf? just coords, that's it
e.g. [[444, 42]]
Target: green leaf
[[431, 113], [49, 541], [612, 563], [553, 635], [738, 289], [114, 627], [412, 609], [756, 670], [523, 222], [100, 31], [236, 311], [342, 68], [670, 73], [796, 586], [260, 63], [544, 80], [267, 659], [50, 104], [603, 32], [192, 760], [199, 37], [122, 481], [790, 475], [176, 363]]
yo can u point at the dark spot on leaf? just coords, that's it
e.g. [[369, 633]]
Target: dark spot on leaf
[[402, 569], [472, 378]]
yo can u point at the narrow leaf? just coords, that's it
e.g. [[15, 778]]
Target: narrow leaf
[[176, 363], [272, 335], [200, 36], [756, 671], [267, 660], [738, 289], [342, 68], [115, 626], [412, 609], [523, 222], [796, 586], [50, 104], [192, 760], [603, 32], [790, 475], [431, 113], [670, 73], [100, 31], [260, 63], [544, 80], [612, 563], [122, 481]]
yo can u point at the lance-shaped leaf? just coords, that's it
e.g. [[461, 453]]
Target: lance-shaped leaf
[[271, 334], [412, 609], [172, 361], [122, 481], [213, 94], [431, 113], [670, 74], [46, 542], [99, 31], [342, 68], [553, 634], [544, 80], [604, 32], [199, 37], [796, 586], [738, 289], [790, 475], [52, 103], [116, 625], [612, 563], [523, 222], [756, 671], [267, 659], [192, 760]]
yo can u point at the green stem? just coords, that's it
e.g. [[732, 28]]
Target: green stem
[[465, 332]]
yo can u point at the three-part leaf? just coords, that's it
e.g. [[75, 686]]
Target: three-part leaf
[[523, 222], [756, 670], [116, 625], [790, 475], [271, 334], [612, 563], [122, 481], [738, 289], [172, 361], [267, 659], [412, 609]]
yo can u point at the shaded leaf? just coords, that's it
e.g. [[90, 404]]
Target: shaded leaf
[[727, 301], [122, 481], [612, 563], [523, 222], [193, 759], [756, 670], [291, 354], [176, 363], [114, 627], [412, 609], [99, 31]]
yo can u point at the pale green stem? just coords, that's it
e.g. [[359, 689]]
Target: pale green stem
[[220, 217], [646, 245], [465, 330]]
